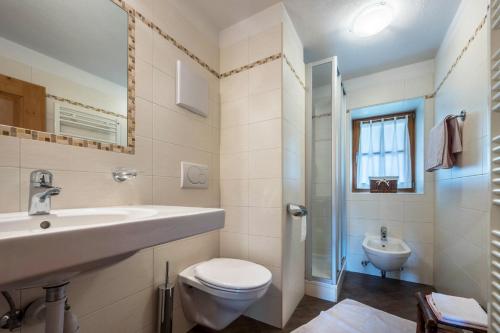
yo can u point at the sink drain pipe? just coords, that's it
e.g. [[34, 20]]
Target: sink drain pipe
[[55, 301], [54, 310]]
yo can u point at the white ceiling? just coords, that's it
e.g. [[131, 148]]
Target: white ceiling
[[323, 25], [90, 35], [415, 34]]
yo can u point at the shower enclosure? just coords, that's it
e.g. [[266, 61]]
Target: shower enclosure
[[326, 240]]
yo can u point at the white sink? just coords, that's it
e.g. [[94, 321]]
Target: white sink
[[78, 240], [389, 255]]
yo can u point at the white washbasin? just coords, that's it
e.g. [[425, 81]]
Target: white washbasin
[[78, 240], [387, 255]]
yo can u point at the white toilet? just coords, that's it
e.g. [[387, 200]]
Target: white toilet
[[216, 292]]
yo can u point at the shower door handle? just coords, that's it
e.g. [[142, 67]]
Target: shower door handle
[[296, 210]]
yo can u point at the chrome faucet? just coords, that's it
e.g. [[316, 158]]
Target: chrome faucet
[[41, 190], [383, 233]]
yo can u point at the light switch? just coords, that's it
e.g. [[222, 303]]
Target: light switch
[[194, 175]]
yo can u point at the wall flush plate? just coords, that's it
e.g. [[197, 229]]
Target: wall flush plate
[[194, 175]]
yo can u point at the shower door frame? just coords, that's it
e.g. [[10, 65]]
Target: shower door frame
[[337, 169]]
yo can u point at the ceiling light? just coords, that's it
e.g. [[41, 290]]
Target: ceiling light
[[372, 19]]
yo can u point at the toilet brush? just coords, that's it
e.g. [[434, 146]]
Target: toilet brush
[[165, 304]]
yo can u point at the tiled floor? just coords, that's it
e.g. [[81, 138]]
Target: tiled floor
[[393, 296]]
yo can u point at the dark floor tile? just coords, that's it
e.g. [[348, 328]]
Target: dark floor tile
[[389, 295]]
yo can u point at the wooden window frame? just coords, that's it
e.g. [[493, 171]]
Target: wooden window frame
[[355, 146]]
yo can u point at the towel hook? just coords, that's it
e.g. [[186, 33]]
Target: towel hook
[[462, 115]]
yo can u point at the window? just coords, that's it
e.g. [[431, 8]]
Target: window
[[384, 146]]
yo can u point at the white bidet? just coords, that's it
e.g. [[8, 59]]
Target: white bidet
[[386, 255]]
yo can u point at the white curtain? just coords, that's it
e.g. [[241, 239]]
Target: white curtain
[[384, 150]]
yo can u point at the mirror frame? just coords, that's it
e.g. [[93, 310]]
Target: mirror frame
[[24, 133]]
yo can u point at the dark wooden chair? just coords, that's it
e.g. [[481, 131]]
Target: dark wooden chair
[[428, 323]]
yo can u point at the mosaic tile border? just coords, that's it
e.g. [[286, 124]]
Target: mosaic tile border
[[251, 65], [24, 133], [177, 44], [85, 106], [461, 54], [263, 62], [294, 72], [203, 64]]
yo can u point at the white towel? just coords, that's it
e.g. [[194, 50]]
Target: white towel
[[350, 316], [460, 310]]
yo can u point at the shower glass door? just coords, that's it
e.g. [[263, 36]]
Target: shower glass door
[[321, 173], [325, 243]]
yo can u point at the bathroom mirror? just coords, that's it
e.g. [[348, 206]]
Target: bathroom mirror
[[66, 77]]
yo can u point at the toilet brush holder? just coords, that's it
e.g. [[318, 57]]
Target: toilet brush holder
[[165, 305]]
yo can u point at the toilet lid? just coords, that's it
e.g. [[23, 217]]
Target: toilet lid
[[232, 273]]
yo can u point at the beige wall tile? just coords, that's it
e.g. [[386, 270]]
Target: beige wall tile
[[39, 154], [167, 158], [94, 290], [234, 192], [234, 113], [265, 192], [265, 44], [143, 42], [165, 55], [265, 135], [92, 189], [215, 166], [9, 151], [234, 166], [193, 34], [265, 77], [144, 80], [265, 221], [214, 113], [234, 87], [234, 245], [9, 191], [164, 89], [234, 139], [173, 127], [265, 250], [143, 118], [237, 219], [127, 315], [168, 191], [265, 163], [182, 254], [265, 106], [234, 56]]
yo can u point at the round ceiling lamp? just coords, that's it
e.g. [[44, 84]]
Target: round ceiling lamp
[[372, 19]]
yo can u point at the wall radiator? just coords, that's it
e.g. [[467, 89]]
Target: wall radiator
[[494, 304], [72, 121]]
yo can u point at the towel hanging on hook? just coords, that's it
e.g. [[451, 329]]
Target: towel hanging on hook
[[445, 142]]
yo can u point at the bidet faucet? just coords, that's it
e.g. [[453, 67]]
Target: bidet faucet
[[383, 233], [41, 190]]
